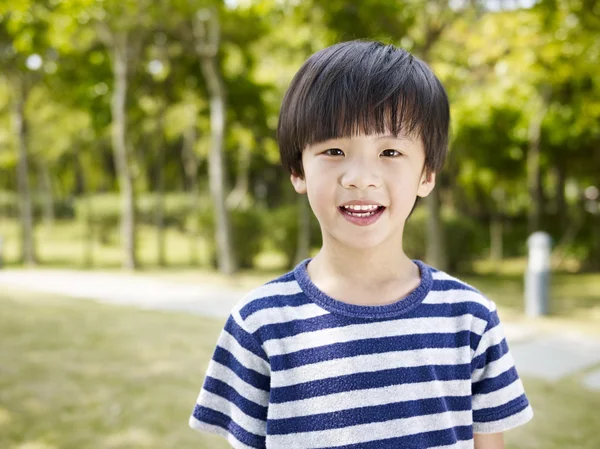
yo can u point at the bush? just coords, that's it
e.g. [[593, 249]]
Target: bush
[[101, 213], [247, 232], [176, 209], [465, 239], [9, 206], [283, 228]]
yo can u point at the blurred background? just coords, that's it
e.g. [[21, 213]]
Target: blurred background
[[139, 167]]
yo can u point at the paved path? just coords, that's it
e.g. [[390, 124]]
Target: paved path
[[140, 291], [546, 356]]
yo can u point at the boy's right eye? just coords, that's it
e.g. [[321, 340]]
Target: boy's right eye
[[333, 152]]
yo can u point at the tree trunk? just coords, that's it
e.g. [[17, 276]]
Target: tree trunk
[[25, 205], [46, 193], [534, 184], [207, 31], [216, 169], [560, 200], [242, 182], [190, 165], [496, 238], [436, 242], [159, 206], [533, 172], [497, 226], [303, 248], [82, 187], [120, 151]]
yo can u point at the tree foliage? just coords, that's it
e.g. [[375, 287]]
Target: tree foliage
[[523, 82]]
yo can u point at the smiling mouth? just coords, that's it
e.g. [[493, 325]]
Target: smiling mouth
[[361, 211]]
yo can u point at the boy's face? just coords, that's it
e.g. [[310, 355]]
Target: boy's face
[[362, 188]]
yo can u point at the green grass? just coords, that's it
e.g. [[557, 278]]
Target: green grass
[[77, 374], [565, 416], [574, 300]]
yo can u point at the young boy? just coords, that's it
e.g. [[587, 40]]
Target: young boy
[[362, 347]]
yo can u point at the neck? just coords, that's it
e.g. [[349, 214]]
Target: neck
[[365, 267]]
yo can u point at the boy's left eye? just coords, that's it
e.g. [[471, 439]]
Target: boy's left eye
[[391, 153]]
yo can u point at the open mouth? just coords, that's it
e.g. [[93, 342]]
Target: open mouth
[[361, 211]]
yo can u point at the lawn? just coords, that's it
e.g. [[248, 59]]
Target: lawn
[[574, 301], [77, 374]]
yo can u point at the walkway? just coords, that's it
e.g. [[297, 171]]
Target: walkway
[[547, 356]]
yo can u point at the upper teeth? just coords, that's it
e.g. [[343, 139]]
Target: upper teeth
[[369, 207]]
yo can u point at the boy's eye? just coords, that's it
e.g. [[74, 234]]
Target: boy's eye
[[334, 152], [391, 153]]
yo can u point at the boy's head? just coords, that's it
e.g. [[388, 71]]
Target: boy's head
[[363, 130], [362, 87]]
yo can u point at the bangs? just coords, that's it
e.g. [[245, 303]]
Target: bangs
[[363, 88], [345, 109]]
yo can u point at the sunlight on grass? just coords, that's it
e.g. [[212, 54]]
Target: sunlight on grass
[[77, 374], [574, 301], [5, 417], [35, 445], [566, 416]]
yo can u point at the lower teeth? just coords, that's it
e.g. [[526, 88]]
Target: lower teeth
[[368, 214]]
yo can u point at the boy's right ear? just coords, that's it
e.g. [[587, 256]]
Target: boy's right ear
[[299, 183]]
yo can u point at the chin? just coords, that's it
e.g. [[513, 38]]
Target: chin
[[362, 243]]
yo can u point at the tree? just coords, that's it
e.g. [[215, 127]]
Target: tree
[[21, 40], [207, 45]]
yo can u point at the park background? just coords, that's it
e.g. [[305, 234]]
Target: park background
[[137, 139]]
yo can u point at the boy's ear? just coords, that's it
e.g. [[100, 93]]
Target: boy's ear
[[426, 185], [299, 183]]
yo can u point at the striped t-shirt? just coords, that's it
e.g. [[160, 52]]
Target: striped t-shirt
[[297, 369]]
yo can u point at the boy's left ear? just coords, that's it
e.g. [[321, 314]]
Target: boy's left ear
[[426, 185]]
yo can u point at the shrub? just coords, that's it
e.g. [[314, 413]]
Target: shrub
[[282, 231], [9, 206], [176, 209], [247, 232], [465, 239]]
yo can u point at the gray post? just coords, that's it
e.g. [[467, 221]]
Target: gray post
[[537, 276]]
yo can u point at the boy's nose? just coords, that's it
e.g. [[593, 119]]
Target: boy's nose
[[360, 177]]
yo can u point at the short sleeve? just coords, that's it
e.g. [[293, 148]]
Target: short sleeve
[[234, 399], [498, 397]]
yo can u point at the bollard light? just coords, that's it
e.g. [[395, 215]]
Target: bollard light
[[537, 276]]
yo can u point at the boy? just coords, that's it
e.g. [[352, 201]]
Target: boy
[[362, 347]]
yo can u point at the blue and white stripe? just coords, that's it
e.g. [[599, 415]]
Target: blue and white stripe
[[294, 368]]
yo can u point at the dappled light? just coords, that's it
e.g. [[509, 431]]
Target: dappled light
[[145, 191]]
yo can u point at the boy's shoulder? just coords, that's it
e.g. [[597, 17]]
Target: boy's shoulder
[[448, 288], [283, 291]]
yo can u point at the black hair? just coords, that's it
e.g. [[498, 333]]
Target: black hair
[[363, 87]]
